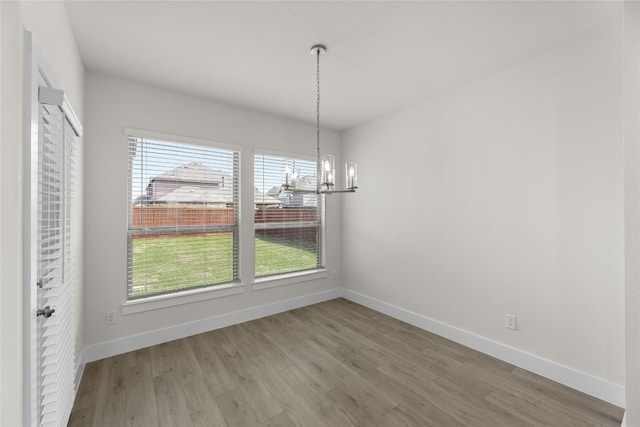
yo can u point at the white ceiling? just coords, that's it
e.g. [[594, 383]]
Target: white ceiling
[[382, 55]]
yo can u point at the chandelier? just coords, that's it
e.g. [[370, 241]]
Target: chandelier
[[326, 172]]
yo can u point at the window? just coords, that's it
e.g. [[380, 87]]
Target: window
[[183, 216], [288, 227]]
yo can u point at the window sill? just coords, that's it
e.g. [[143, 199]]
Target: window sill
[[288, 279], [184, 297]]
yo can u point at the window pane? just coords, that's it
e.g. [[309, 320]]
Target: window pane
[[288, 226], [168, 263], [183, 217], [279, 251]]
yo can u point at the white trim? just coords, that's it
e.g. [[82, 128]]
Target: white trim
[[179, 298], [33, 61], [287, 279], [181, 138], [624, 420], [594, 386], [80, 364], [71, 117], [159, 336]]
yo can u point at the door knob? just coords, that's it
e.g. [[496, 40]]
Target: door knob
[[46, 312]]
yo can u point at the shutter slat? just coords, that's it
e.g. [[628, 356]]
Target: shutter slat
[[56, 266]]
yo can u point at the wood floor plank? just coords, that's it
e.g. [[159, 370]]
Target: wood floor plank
[[566, 396], [171, 403], [236, 409], [298, 411], [467, 407], [112, 393], [81, 417], [213, 370], [311, 391], [529, 416], [261, 401], [140, 409], [88, 386], [335, 363], [410, 416], [254, 343], [202, 405], [175, 357], [411, 404], [364, 407], [311, 357], [280, 420]]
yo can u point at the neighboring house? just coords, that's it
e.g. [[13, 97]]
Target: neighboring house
[[196, 184], [290, 200]]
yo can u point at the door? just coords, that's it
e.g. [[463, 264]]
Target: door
[[51, 283]]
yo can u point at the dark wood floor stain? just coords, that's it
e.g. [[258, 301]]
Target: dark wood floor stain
[[330, 364]]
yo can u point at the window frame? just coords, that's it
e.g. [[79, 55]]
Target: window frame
[[193, 293], [296, 276]]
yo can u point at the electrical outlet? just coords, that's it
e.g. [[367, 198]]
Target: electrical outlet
[[110, 317], [511, 321]]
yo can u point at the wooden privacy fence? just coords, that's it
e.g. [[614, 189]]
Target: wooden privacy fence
[[193, 215], [171, 216]]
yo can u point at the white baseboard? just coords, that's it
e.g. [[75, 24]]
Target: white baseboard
[[597, 387], [80, 364], [147, 339], [624, 420]]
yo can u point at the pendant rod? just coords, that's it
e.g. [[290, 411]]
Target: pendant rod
[[318, 50], [318, 165]]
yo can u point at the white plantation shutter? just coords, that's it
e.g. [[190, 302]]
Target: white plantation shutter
[[289, 227], [183, 216], [56, 265]]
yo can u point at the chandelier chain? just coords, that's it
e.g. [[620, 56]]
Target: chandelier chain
[[318, 100]]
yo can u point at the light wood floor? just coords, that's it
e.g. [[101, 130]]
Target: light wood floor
[[335, 363]]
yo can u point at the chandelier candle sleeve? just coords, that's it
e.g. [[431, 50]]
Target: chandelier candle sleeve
[[287, 176], [328, 173], [351, 175], [291, 176]]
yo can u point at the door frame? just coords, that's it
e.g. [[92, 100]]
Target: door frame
[[33, 60]]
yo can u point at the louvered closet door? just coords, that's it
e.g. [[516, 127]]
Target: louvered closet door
[[56, 297]]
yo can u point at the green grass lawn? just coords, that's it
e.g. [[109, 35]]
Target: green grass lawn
[[275, 256], [166, 264]]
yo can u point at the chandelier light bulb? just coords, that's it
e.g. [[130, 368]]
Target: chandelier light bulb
[[351, 175]]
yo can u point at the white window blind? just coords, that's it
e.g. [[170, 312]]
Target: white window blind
[[288, 227], [183, 216], [56, 265]]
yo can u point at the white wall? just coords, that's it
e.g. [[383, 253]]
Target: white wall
[[632, 210], [10, 218], [49, 24], [113, 104], [501, 196]]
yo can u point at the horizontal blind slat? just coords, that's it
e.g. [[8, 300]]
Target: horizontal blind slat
[[183, 216], [288, 226]]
